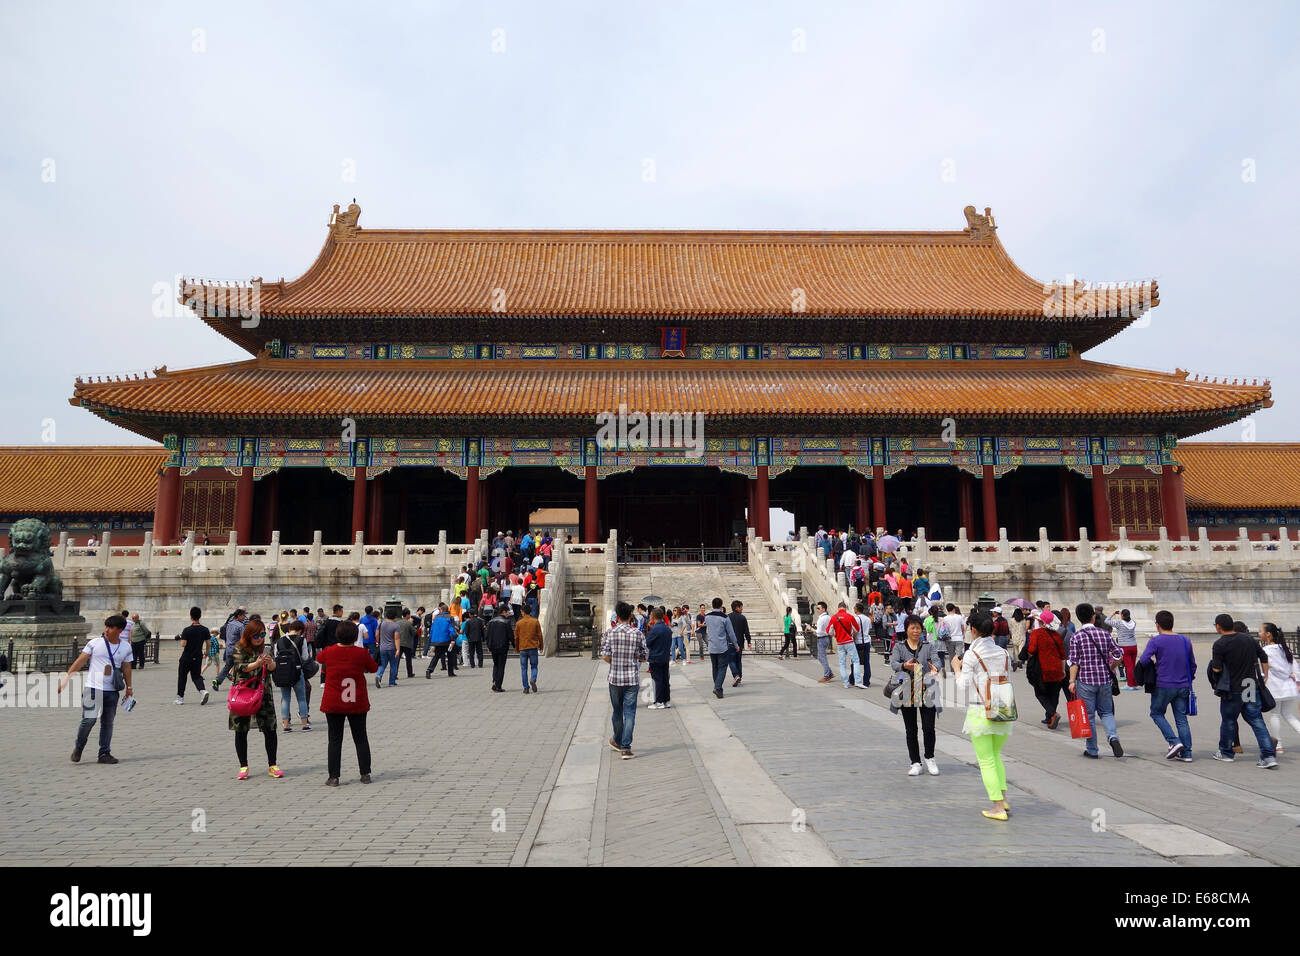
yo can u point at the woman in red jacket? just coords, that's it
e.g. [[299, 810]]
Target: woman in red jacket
[[346, 666]]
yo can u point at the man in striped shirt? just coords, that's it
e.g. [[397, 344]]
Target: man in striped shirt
[[1094, 655]]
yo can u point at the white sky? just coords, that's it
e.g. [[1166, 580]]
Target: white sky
[[1113, 165]]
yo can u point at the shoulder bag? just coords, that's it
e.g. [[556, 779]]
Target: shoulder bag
[[999, 698], [1191, 689]]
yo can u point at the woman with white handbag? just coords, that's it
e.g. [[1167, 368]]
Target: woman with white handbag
[[984, 675]]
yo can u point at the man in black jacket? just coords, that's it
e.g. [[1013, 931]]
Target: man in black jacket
[[475, 631], [500, 635], [741, 627], [1242, 664]]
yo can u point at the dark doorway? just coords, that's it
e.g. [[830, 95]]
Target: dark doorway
[[670, 506], [512, 494], [817, 495], [927, 497], [423, 501], [311, 500], [1029, 498]]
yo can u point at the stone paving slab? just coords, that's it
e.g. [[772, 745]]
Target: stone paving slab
[[450, 760]]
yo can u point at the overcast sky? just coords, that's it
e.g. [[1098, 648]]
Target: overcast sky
[[1113, 142]]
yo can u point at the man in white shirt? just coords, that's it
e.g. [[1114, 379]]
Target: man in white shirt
[[954, 632], [108, 656], [863, 640], [847, 560], [823, 641], [517, 599]]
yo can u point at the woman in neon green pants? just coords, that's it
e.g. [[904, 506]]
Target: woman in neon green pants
[[985, 661]]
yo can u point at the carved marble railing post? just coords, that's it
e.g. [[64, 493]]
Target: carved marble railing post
[[400, 549], [187, 552], [232, 550], [963, 547], [1244, 547], [146, 550], [1004, 546], [359, 549], [275, 549], [1044, 549], [314, 563], [1205, 552], [105, 547], [1283, 544], [1165, 547], [442, 549], [61, 551]]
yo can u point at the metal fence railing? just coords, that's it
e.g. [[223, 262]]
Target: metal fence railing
[[700, 555]]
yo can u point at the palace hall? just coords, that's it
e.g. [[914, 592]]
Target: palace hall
[[428, 380]]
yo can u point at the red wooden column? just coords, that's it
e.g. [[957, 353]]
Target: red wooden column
[[1173, 501], [751, 504], [761, 503], [1069, 518], [471, 503], [1101, 526], [358, 501], [862, 499], [966, 502], [244, 505], [590, 506], [166, 506], [375, 511], [990, 504], [878, 496]]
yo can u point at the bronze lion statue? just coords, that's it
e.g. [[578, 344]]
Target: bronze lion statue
[[27, 565]]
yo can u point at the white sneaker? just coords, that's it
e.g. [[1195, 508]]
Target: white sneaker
[[915, 771], [669, 703], [179, 700], [931, 766], [203, 699]]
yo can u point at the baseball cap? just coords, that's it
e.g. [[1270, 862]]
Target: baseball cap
[[998, 609]]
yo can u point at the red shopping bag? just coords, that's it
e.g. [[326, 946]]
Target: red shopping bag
[[1079, 724]]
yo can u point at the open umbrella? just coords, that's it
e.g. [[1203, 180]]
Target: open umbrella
[[887, 543], [1020, 603]]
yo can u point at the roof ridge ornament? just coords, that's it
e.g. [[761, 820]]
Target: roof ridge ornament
[[980, 227], [344, 224]]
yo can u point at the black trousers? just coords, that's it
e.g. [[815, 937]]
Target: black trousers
[[409, 654], [499, 667], [792, 642], [268, 737], [1049, 695], [334, 755], [137, 654], [927, 730], [189, 667], [446, 654], [474, 649], [659, 674], [734, 663], [864, 658]]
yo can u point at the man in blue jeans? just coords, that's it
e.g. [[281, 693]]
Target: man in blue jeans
[[1238, 669], [1094, 655], [623, 648], [109, 658], [1175, 668]]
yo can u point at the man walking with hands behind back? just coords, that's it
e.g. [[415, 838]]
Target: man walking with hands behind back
[[722, 643], [623, 648], [500, 635], [740, 625]]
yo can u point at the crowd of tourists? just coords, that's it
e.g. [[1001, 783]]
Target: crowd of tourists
[[938, 655], [493, 602]]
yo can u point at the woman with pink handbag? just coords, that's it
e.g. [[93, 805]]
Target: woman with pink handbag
[[249, 702]]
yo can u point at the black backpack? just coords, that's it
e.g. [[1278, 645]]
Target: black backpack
[[288, 662]]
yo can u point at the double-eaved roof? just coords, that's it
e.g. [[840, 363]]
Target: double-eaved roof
[[890, 278]]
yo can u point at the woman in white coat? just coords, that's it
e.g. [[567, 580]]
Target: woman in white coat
[[1283, 681], [983, 664]]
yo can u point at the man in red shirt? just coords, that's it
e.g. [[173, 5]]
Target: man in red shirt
[[844, 626]]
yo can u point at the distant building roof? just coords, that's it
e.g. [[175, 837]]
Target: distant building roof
[[68, 479], [1240, 474], [553, 518]]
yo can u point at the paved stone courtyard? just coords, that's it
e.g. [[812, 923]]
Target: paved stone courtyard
[[781, 771]]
